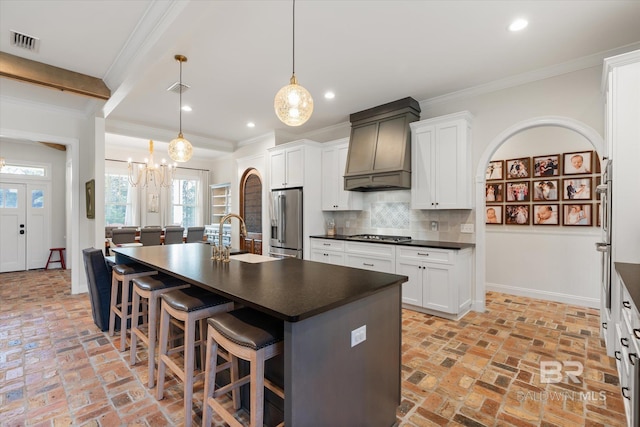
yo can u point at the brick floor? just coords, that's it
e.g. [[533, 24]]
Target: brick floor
[[58, 369]]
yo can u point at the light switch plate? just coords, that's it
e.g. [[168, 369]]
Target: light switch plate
[[466, 228], [358, 335], [434, 225]]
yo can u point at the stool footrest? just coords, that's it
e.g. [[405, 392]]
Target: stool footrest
[[227, 388]]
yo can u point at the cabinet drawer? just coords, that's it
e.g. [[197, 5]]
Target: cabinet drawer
[[442, 256], [367, 263], [629, 311], [327, 244], [375, 249]]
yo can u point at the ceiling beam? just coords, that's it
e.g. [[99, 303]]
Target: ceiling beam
[[26, 70]]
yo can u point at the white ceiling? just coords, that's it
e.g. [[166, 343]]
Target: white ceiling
[[239, 55]]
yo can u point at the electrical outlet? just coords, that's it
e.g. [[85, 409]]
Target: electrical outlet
[[347, 224], [466, 228], [434, 225], [358, 335]]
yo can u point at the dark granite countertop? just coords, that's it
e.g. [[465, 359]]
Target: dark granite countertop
[[289, 289], [630, 275], [416, 243]]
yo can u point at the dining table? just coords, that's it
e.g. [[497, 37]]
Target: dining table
[[342, 343]]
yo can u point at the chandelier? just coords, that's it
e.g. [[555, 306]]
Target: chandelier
[[180, 150], [293, 103], [150, 173]]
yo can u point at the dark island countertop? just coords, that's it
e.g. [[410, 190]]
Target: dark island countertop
[[289, 289], [630, 275], [416, 243]]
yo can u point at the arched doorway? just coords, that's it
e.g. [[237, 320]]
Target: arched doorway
[[251, 210], [481, 248]]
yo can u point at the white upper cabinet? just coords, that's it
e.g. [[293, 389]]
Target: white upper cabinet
[[287, 167], [334, 196], [441, 162]]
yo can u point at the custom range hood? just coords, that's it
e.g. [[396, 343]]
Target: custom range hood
[[379, 155]]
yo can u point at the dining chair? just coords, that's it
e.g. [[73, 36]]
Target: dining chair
[[123, 235], [173, 235], [195, 234], [99, 280], [151, 236]]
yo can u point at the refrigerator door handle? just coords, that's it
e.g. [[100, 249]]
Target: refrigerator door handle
[[281, 217]]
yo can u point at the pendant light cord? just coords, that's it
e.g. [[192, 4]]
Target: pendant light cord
[[180, 106], [294, 37]]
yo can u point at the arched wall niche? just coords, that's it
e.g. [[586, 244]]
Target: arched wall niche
[[515, 130]]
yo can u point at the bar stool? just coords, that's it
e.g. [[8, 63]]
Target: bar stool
[[124, 273], [60, 259], [249, 335], [191, 306], [149, 288]]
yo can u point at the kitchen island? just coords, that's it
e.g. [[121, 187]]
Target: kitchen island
[[327, 380]]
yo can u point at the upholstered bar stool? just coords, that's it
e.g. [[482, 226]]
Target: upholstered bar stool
[[249, 335], [124, 274], [192, 306], [149, 288]]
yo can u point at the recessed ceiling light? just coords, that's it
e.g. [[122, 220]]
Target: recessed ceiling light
[[186, 108], [329, 95], [518, 24], [251, 125]]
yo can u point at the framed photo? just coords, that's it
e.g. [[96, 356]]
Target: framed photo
[[545, 190], [548, 165], [153, 203], [518, 168], [517, 191], [577, 163], [495, 170], [493, 192], [90, 196], [576, 214], [576, 189], [516, 214], [546, 215], [493, 214]]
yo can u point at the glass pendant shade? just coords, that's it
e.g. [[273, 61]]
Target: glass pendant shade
[[180, 150], [293, 104]]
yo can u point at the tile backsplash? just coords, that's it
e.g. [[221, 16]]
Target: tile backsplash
[[389, 212]]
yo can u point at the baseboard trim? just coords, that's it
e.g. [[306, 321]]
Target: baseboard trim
[[545, 295]]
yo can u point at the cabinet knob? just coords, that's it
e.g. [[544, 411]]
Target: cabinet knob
[[604, 325], [625, 342], [617, 354], [636, 332], [626, 304], [632, 358]]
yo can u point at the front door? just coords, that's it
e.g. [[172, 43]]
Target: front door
[[13, 215]]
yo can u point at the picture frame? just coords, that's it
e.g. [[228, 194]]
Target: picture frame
[[90, 198], [153, 203], [518, 168], [545, 190], [494, 192], [548, 165], [546, 214], [577, 188], [495, 171], [577, 214], [577, 163], [517, 215], [493, 214], [518, 191]]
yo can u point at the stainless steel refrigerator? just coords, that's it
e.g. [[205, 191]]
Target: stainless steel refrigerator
[[286, 223]]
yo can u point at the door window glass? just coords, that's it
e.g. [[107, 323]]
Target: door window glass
[[37, 199], [10, 198]]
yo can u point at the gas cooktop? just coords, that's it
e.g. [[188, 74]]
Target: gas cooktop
[[378, 238]]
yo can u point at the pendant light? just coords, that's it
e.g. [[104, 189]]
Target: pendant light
[[293, 103], [180, 150]]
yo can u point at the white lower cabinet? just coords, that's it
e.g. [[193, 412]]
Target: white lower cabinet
[[439, 279], [370, 256], [328, 251]]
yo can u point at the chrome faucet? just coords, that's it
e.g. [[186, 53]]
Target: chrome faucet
[[222, 256]]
